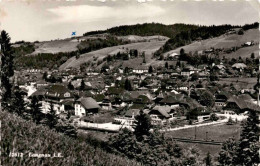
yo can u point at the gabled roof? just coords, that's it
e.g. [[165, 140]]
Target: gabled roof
[[88, 103], [163, 110]]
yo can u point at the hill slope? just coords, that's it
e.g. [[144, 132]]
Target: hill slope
[[148, 47], [146, 29], [225, 41], [18, 135]]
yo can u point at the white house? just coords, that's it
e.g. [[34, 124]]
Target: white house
[[85, 106]]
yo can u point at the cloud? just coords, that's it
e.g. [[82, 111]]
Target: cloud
[[87, 13]]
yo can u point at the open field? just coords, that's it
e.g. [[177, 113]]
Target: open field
[[148, 47], [239, 82], [56, 46], [215, 132], [224, 41]]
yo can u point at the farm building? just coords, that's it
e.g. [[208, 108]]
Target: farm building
[[85, 106]]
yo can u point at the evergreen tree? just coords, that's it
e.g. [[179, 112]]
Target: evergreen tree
[[35, 109], [247, 152], [166, 65], [44, 76], [227, 153], [128, 85], [52, 118], [82, 85], [150, 70], [208, 160], [18, 104], [70, 86], [6, 70], [142, 125]]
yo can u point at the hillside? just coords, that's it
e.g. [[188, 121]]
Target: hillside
[[56, 46], [18, 135], [148, 47], [224, 41], [147, 29]]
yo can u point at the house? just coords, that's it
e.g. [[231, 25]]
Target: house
[[221, 99], [161, 114], [188, 70], [55, 94], [173, 56], [84, 106], [237, 104], [239, 66], [129, 117], [140, 69]]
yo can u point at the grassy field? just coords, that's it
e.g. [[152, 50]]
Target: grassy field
[[224, 41], [241, 82], [148, 47], [18, 135], [56, 46], [216, 133]]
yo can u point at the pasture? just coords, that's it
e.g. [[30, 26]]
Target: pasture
[[147, 47], [224, 41], [215, 132]]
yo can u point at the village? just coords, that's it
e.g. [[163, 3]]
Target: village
[[174, 94]]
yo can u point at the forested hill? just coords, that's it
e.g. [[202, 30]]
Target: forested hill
[[201, 33], [147, 29]]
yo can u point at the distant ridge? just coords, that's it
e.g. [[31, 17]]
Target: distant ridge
[[146, 29]]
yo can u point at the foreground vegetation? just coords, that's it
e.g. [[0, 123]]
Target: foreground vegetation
[[26, 137]]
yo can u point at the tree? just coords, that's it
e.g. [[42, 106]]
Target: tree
[[6, 70], [253, 56], [194, 77], [142, 125], [35, 109], [52, 118], [247, 151], [166, 65], [228, 152], [144, 61], [182, 52], [150, 70], [230, 121], [213, 117], [70, 86], [208, 160], [18, 104], [82, 85], [44, 76], [128, 85], [207, 99]]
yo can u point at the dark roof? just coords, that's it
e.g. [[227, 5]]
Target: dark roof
[[131, 112], [88, 103], [58, 91]]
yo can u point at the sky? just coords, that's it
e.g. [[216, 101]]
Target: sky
[[41, 20]]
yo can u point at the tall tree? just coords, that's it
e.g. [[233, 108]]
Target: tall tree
[[6, 70], [128, 85], [82, 85], [35, 109], [52, 117], [227, 153], [150, 69], [18, 103], [248, 147], [208, 160], [142, 125]]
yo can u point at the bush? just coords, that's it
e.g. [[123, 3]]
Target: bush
[[213, 117]]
